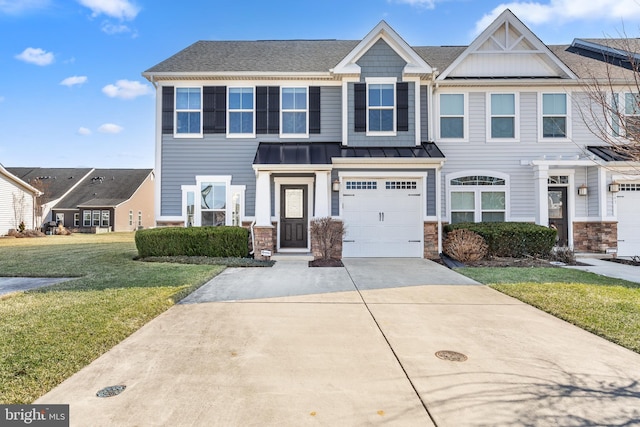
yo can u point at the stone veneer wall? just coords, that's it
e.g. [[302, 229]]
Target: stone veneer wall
[[595, 236], [169, 223], [431, 240], [265, 239], [336, 251]]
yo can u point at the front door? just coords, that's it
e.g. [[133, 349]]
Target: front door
[[293, 216], [558, 213]]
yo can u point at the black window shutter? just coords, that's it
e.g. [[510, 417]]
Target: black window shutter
[[314, 109], [167, 109], [214, 109], [402, 109], [360, 107], [273, 115], [261, 109]]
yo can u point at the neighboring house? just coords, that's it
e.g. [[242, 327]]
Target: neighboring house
[[17, 203], [109, 200], [54, 183], [393, 140]]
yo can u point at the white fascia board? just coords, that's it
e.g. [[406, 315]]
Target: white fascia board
[[20, 182], [291, 168], [391, 162], [508, 16], [415, 64], [154, 77]]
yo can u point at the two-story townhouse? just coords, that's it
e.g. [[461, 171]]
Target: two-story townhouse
[[392, 140]]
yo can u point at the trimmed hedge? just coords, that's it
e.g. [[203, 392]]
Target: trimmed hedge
[[512, 239], [193, 241]]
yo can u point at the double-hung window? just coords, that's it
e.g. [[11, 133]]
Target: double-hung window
[[241, 113], [95, 218], [105, 217], [381, 107], [188, 111], [86, 218], [294, 110], [554, 115], [452, 116], [478, 198], [631, 113], [502, 118], [213, 203]]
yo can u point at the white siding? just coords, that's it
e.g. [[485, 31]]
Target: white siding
[[8, 192]]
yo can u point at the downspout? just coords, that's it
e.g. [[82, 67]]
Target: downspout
[[253, 238]]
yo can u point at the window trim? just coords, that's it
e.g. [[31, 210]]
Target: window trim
[[76, 219], [241, 110], [102, 218], [176, 134], [394, 111], [541, 116], [283, 111], [621, 99], [230, 189], [86, 221], [465, 117], [516, 117], [478, 190]]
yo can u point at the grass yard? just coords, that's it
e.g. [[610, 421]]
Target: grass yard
[[51, 333], [604, 306]]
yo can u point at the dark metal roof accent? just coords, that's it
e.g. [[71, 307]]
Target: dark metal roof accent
[[609, 154], [321, 153]]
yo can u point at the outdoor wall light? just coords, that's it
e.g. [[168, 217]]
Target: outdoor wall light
[[614, 187], [335, 185], [583, 190]]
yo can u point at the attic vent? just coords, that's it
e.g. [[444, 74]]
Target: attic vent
[[97, 178], [43, 177]]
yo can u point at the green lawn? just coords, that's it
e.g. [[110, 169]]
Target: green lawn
[[607, 307], [51, 333]]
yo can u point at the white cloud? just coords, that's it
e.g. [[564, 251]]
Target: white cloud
[[84, 131], [17, 7], [562, 11], [109, 28], [110, 128], [429, 4], [36, 56], [120, 9], [126, 89], [74, 80]]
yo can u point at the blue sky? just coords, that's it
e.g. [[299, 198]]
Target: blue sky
[[72, 94]]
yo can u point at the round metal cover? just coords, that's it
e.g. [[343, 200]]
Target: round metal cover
[[452, 356], [110, 391]]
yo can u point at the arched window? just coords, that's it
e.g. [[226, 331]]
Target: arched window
[[478, 198]]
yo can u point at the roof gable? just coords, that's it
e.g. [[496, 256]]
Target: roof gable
[[19, 182], [507, 48], [415, 64]]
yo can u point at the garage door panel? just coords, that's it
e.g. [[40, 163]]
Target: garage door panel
[[628, 201]]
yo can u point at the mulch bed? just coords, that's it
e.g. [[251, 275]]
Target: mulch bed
[[633, 262], [326, 263]]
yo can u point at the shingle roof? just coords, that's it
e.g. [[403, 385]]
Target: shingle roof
[[55, 181], [117, 185]]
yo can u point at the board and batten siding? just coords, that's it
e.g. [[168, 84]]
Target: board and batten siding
[[505, 157], [185, 158], [8, 220]]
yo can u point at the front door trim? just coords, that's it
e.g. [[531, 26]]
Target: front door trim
[[285, 180]]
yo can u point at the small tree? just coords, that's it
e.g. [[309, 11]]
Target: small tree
[[328, 234], [19, 207]]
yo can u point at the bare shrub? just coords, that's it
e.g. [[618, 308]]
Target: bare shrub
[[563, 254], [327, 234], [464, 245]]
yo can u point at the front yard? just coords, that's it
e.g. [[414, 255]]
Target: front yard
[[604, 306], [51, 333]]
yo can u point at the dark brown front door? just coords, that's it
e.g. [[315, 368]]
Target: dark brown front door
[[558, 213], [293, 216]]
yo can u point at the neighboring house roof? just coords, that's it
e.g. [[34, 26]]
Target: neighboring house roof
[[56, 181], [112, 186], [18, 181], [322, 153]]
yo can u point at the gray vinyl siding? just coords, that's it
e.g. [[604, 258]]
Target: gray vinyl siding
[[424, 113], [381, 61], [335, 195], [402, 139], [184, 159], [506, 157], [431, 193]]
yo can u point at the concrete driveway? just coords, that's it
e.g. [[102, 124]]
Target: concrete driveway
[[292, 345]]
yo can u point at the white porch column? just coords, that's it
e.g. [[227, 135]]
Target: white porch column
[[541, 178], [263, 199], [323, 197]]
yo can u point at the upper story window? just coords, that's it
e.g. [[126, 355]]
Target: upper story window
[[503, 123], [381, 107], [628, 119], [294, 111], [188, 111], [241, 113], [452, 107], [554, 115]]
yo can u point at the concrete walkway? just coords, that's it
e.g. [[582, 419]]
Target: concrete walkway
[[292, 346], [608, 268], [15, 284]]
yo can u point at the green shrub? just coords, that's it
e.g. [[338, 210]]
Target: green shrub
[[193, 241], [512, 239]]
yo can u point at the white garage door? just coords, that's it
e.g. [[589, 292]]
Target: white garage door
[[383, 218], [628, 223]]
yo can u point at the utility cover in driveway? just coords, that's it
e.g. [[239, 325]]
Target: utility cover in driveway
[[383, 218]]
